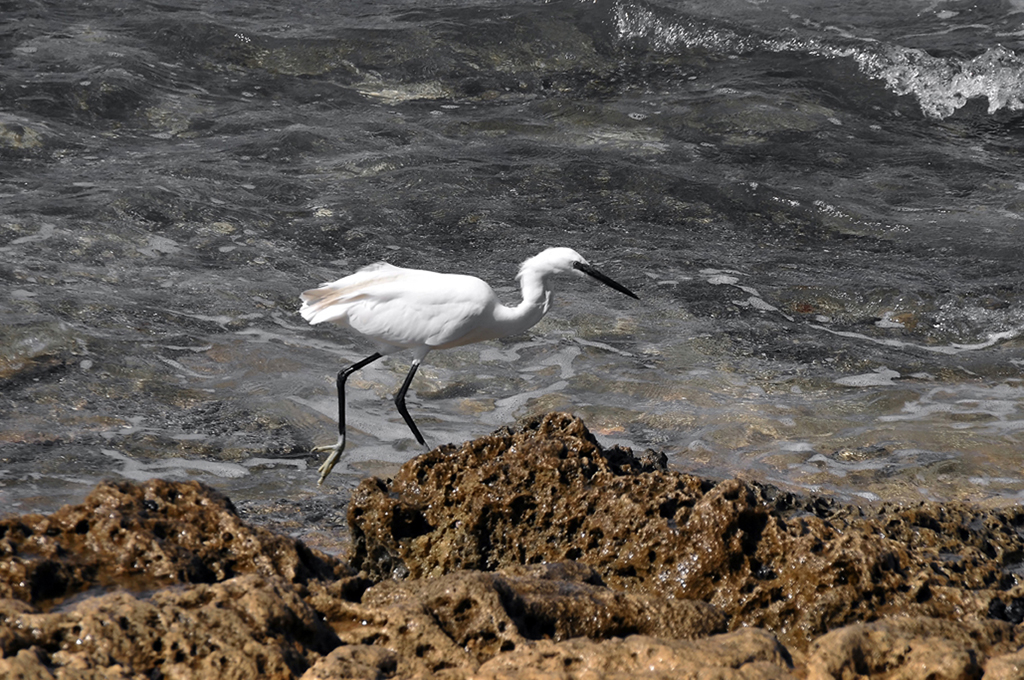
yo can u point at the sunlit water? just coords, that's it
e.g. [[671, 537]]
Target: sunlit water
[[819, 205]]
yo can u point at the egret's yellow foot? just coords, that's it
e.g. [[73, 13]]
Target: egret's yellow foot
[[335, 453]]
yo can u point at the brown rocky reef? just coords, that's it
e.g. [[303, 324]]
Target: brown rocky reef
[[532, 553]]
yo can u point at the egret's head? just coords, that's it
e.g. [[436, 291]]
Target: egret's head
[[558, 260], [551, 261]]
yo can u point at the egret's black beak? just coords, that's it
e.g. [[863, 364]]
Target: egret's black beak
[[590, 271]]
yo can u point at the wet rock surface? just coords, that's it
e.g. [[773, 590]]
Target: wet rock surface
[[797, 566], [142, 537], [525, 554]]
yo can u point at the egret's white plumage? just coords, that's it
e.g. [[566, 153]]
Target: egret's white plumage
[[398, 308]]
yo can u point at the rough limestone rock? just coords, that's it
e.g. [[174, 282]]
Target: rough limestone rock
[[467, 618], [246, 627], [904, 648], [355, 661], [799, 568], [143, 536], [529, 554], [1006, 667], [742, 655]]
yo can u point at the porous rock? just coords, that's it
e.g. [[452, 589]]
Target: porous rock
[[144, 536], [1006, 667], [366, 662], [901, 648], [548, 493], [128, 604], [467, 618], [746, 654], [164, 580], [246, 627]]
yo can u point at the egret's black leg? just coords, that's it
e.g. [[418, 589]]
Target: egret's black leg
[[400, 403], [336, 449], [343, 375]]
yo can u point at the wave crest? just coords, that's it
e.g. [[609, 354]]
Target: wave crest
[[941, 85], [944, 85]]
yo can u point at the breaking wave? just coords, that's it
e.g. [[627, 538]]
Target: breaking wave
[[941, 85]]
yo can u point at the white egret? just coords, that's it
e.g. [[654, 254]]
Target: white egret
[[399, 308]]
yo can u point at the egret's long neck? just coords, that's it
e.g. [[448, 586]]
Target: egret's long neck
[[536, 300]]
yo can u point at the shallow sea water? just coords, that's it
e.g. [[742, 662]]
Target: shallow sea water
[[820, 206]]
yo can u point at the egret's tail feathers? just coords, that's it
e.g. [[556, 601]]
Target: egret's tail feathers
[[330, 301], [324, 304]]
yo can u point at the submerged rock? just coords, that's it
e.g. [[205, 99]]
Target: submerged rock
[[527, 554]]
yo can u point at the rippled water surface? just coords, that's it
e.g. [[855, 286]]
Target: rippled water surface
[[820, 205]]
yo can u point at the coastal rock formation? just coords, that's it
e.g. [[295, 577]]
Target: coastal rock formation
[[798, 567], [245, 627], [141, 537], [467, 618], [525, 554]]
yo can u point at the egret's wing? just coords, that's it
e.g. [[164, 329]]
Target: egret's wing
[[402, 307], [422, 309]]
